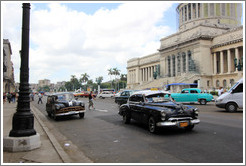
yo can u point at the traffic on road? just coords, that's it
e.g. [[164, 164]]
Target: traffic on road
[[105, 138]]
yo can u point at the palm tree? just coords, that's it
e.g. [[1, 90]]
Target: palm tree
[[84, 78], [73, 80], [115, 73], [110, 73]]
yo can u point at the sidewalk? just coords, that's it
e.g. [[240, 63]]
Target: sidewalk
[[52, 150]]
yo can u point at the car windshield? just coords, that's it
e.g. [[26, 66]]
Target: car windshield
[[157, 98], [67, 96]]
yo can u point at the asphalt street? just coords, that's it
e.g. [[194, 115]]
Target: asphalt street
[[103, 137]]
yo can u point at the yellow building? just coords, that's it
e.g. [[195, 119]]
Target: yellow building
[[203, 51]]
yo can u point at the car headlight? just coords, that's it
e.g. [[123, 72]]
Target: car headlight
[[163, 114], [58, 107], [196, 111], [219, 100], [82, 104]]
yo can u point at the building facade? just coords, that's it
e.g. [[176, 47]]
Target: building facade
[[8, 69], [207, 50], [42, 83]]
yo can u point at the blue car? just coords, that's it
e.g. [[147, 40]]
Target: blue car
[[192, 95]]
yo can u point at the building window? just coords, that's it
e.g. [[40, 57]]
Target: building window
[[174, 65], [205, 10], [189, 11], [224, 83], [211, 9], [231, 82], [223, 9], [191, 63], [194, 10], [199, 10], [184, 61], [178, 63], [217, 83], [217, 9], [169, 66], [208, 83], [185, 13]]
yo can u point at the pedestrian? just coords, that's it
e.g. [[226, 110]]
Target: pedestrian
[[32, 96], [91, 104], [13, 97], [9, 97], [220, 91], [40, 98], [4, 97]]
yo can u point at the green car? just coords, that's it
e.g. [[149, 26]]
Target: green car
[[192, 95]]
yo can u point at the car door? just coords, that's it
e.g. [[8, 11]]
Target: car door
[[184, 96], [193, 96], [237, 95]]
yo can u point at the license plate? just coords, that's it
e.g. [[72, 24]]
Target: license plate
[[183, 124]]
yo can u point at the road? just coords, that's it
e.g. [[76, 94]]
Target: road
[[103, 137]]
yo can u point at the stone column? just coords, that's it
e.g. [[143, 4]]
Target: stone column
[[215, 63], [221, 62], [229, 60]]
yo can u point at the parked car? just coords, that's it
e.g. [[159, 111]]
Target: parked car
[[155, 110], [233, 99], [83, 94], [192, 95], [106, 94], [62, 104], [123, 96]]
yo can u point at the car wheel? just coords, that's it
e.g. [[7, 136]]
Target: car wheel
[[152, 125], [49, 114], [231, 107], [189, 128], [81, 115], [203, 102], [126, 118]]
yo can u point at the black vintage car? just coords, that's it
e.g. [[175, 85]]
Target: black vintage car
[[123, 96], [157, 109], [62, 104]]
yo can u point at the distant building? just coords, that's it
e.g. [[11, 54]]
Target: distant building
[[206, 50], [8, 69], [42, 83]]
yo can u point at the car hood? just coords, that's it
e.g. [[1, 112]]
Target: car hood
[[69, 103]]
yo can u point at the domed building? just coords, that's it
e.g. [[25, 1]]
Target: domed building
[[207, 50]]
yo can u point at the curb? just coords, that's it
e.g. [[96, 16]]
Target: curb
[[63, 155]]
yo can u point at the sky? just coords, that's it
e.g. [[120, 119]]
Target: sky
[[81, 37], [74, 38]]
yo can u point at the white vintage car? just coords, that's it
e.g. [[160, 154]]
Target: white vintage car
[[106, 94]]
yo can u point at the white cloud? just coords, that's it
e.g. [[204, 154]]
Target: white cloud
[[66, 42]]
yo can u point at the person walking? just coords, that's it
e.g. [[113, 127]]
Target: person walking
[[91, 104], [13, 97], [40, 98], [9, 97]]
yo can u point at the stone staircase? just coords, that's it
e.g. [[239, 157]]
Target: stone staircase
[[161, 82]]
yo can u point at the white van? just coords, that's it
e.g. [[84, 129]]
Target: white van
[[233, 99]]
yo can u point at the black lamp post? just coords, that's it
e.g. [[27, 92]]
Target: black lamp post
[[23, 119]]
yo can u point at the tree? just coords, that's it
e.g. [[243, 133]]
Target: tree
[[99, 80], [84, 78], [110, 73], [123, 77], [73, 80]]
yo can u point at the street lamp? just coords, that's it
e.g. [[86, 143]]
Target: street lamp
[[23, 119]]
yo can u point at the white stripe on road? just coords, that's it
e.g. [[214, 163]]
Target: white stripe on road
[[101, 110]]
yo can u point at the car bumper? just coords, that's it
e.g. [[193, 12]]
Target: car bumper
[[70, 113], [220, 105], [178, 123]]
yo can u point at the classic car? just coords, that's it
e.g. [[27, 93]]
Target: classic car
[[192, 95], [155, 110], [123, 96], [83, 94], [106, 94], [62, 104]]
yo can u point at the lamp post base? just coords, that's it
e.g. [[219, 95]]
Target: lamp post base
[[20, 144]]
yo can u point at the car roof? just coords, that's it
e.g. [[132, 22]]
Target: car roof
[[192, 89], [150, 92]]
